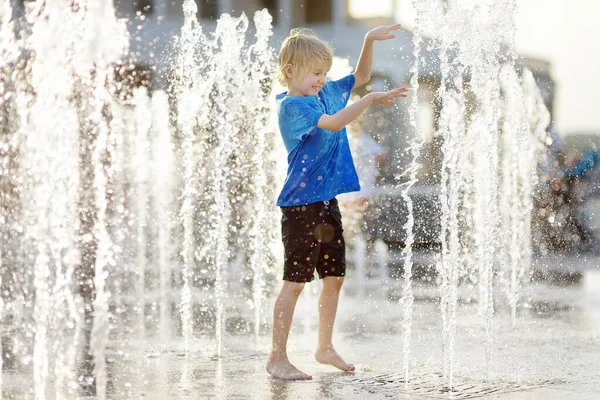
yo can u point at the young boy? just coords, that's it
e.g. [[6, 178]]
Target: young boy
[[312, 120]]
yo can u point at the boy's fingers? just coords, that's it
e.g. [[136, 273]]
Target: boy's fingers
[[394, 27], [397, 93]]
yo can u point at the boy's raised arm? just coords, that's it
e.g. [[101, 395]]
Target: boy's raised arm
[[362, 74]]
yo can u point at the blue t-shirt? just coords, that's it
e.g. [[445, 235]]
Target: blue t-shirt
[[320, 164]]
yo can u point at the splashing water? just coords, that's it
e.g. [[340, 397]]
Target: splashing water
[[489, 128], [57, 220], [124, 201], [188, 106], [214, 91], [415, 148], [163, 189], [90, 221]]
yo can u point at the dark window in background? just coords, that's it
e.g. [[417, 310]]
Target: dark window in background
[[208, 9], [317, 11], [144, 7]]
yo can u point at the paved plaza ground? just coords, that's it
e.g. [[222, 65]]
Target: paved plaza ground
[[553, 352]]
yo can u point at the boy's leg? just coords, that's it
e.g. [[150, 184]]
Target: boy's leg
[[278, 364], [328, 302]]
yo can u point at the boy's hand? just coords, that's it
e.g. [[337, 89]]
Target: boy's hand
[[386, 97], [382, 32]]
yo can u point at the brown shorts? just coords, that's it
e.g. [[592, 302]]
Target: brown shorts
[[313, 239]]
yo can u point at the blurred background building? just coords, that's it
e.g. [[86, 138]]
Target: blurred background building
[[556, 38]]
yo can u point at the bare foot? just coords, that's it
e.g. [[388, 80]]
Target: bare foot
[[331, 357], [283, 369]]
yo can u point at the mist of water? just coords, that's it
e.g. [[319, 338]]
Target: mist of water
[[97, 172], [124, 201], [490, 135], [232, 181], [164, 202], [416, 145]]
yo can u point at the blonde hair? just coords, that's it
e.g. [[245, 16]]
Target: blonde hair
[[303, 50]]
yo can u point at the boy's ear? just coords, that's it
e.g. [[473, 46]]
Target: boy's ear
[[288, 70]]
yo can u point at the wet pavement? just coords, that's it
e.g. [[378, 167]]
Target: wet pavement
[[552, 352]]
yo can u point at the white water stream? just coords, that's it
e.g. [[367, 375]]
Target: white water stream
[[129, 206]]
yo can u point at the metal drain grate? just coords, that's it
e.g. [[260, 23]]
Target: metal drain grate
[[434, 386]]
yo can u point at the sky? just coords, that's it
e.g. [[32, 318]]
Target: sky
[[567, 33], [564, 32]]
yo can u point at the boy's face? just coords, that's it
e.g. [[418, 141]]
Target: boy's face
[[310, 84]]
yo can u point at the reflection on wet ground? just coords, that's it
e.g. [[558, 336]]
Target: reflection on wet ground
[[551, 353]]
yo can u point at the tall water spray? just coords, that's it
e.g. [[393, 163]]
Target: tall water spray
[[91, 188], [260, 58], [189, 104], [225, 121], [488, 143], [164, 202], [94, 175], [60, 215], [415, 150]]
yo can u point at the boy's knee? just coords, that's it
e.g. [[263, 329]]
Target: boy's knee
[[333, 282], [294, 287]]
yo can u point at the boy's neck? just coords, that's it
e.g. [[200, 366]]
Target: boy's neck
[[294, 92]]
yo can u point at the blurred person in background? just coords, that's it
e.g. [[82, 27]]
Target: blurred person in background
[[368, 156], [559, 200]]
